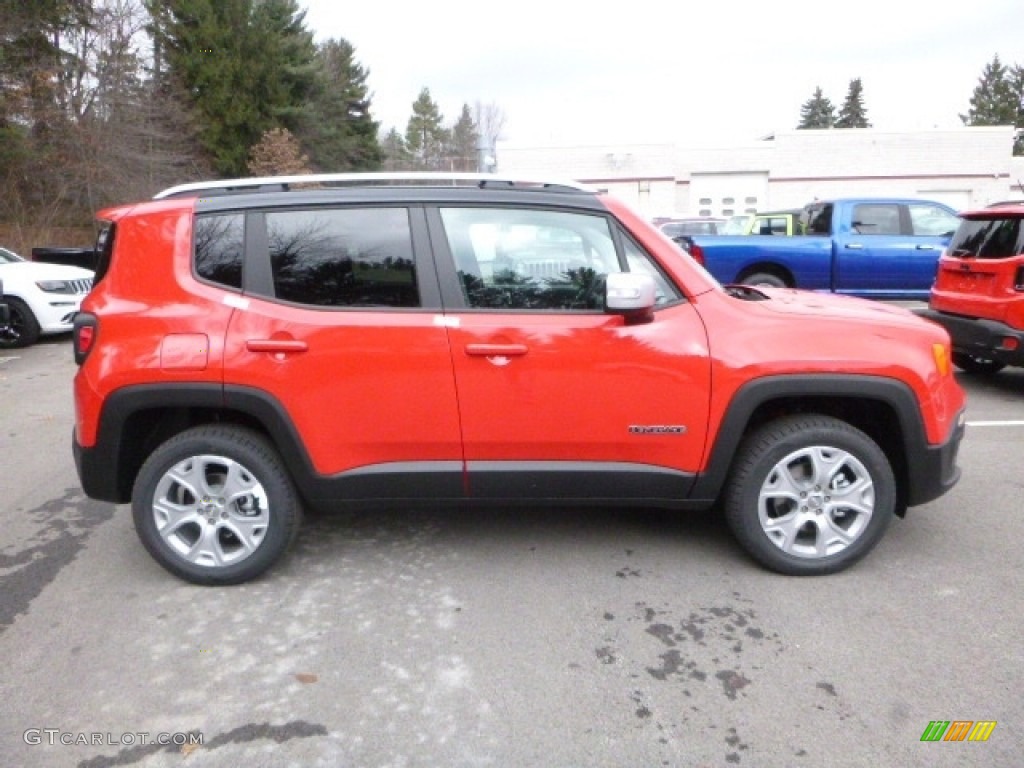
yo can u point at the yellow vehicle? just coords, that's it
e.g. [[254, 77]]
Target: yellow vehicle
[[766, 223]]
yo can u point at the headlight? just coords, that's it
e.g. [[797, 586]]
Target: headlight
[[56, 286]]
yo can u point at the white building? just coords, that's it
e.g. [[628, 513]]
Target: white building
[[964, 167]]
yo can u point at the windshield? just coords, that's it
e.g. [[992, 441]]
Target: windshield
[[9, 257], [737, 225]]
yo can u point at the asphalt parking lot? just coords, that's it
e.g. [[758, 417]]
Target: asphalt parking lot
[[503, 637]]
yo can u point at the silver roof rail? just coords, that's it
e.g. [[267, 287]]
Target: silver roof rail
[[418, 178]]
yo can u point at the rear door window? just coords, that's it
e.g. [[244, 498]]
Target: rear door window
[[817, 219], [876, 219]]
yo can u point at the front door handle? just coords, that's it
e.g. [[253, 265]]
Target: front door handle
[[923, 247], [496, 350], [855, 246], [279, 346]]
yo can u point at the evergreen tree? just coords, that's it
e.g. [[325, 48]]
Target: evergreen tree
[[282, 50], [463, 139], [245, 65], [338, 130], [425, 136], [31, 56], [817, 112], [852, 114], [81, 124], [1017, 89], [396, 155], [998, 99]]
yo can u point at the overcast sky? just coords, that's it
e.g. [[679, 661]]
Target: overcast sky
[[685, 72]]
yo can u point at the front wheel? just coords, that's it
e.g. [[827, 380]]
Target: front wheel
[[214, 505], [764, 278], [973, 364], [809, 495], [23, 330]]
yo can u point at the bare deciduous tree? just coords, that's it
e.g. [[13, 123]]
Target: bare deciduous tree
[[490, 121]]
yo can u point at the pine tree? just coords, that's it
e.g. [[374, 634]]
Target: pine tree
[[1017, 90], [245, 65], [463, 139], [32, 58], [338, 130], [396, 155], [425, 136], [998, 99], [817, 112], [852, 114]]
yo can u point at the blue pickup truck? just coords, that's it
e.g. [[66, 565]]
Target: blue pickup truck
[[882, 248]]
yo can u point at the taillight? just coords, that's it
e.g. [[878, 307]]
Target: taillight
[[697, 253], [86, 327]]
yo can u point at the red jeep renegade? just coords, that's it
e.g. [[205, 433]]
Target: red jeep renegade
[[254, 347], [978, 294]]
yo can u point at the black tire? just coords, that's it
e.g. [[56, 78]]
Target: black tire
[[818, 521], [247, 533], [980, 365], [24, 328], [764, 278]]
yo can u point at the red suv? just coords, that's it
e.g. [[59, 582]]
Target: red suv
[[978, 294], [255, 347]]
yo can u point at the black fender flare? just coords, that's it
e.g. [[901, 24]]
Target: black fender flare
[[893, 393]]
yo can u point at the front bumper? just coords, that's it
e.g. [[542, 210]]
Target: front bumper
[[934, 470], [979, 337], [56, 313]]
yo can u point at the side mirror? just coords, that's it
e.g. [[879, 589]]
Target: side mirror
[[631, 295]]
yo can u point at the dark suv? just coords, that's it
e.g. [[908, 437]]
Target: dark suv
[[978, 295], [252, 348]]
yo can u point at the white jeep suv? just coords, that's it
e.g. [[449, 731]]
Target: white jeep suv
[[42, 298]]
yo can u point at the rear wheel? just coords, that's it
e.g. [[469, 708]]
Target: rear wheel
[[809, 495], [23, 330], [214, 505], [974, 364]]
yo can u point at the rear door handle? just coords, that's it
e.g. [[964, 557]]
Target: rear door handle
[[854, 246], [923, 247], [275, 345], [496, 350]]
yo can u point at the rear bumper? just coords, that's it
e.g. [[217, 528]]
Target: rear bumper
[[980, 337], [95, 473]]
